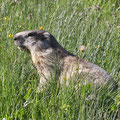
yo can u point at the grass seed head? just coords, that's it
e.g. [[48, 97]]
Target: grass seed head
[[82, 48]]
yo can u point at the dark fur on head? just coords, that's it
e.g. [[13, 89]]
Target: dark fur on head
[[41, 40]]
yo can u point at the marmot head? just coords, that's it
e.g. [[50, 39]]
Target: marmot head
[[35, 40]]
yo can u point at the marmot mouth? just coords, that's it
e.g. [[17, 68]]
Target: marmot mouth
[[21, 47]]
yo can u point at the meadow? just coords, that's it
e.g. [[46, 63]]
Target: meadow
[[92, 23]]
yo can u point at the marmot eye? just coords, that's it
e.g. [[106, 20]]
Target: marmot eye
[[33, 43]]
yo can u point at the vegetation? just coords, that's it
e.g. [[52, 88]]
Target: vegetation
[[93, 23]]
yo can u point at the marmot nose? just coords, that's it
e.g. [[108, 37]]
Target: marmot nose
[[17, 37]]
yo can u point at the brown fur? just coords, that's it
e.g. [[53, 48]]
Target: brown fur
[[47, 55]]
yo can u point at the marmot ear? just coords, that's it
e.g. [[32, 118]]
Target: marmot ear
[[46, 34]]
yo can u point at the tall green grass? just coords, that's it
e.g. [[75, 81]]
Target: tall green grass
[[94, 24]]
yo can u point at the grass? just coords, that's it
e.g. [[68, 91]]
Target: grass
[[94, 24]]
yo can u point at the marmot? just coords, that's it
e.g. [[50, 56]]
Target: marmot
[[49, 56]]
